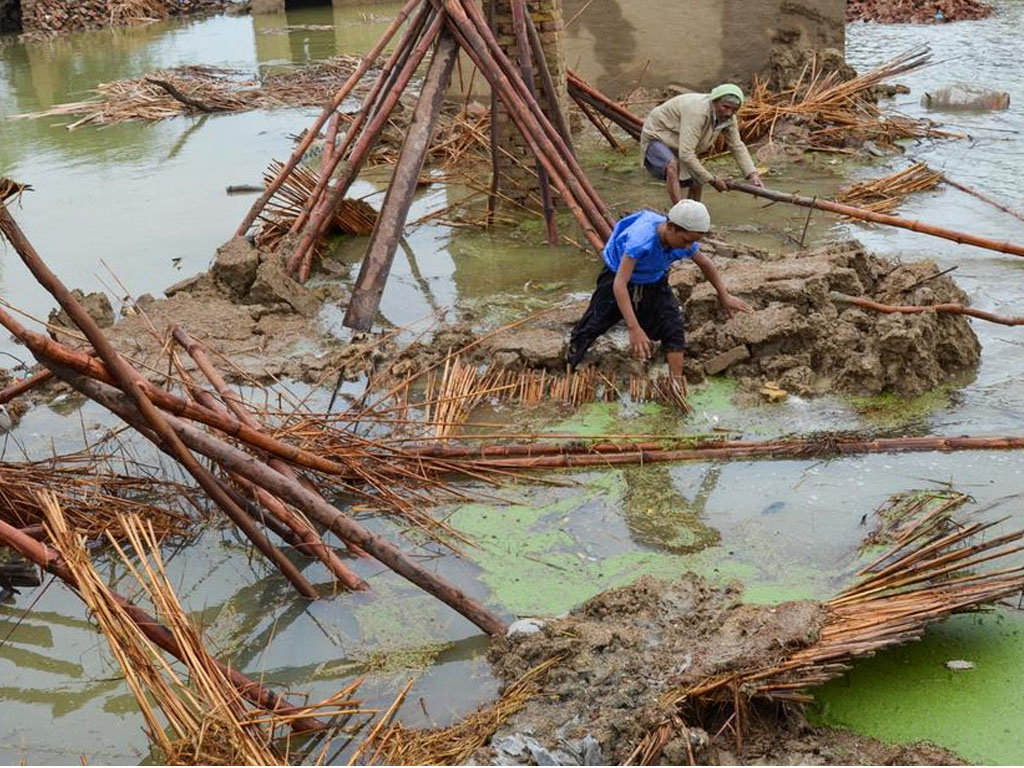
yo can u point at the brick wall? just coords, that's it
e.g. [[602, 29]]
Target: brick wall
[[520, 181]]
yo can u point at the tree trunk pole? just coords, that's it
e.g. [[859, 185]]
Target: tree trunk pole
[[880, 218], [387, 230]]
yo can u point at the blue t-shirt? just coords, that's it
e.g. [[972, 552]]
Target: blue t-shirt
[[636, 235]]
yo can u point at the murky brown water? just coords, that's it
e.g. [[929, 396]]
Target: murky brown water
[[150, 201]]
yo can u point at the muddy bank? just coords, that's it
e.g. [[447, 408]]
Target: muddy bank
[[622, 650], [50, 16], [797, 337]]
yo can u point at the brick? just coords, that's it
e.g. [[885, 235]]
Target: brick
[[720, 362]]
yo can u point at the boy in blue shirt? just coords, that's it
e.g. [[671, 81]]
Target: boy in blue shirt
[[634, 287]]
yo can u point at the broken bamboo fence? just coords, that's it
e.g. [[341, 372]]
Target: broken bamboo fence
[[114, 384], [879, 218]]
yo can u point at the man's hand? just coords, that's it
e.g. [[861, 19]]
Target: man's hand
[[641, 344], [720, 183], [755, 179], [732, 305]]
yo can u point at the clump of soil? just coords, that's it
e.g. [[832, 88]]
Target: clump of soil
[[622, 650], [797, 336]]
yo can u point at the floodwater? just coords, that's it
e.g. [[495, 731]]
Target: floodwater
[[149, 201]]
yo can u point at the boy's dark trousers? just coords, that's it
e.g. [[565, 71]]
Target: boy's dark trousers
[[656, 308]]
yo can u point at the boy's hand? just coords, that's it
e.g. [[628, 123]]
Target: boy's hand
[[732, 305], [641, 344]]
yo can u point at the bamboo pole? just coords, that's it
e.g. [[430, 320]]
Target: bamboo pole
[[594, 224], [25, 385], [519, 14], [880, 218], [317, 224], [561, 150], [46, 558], [950, 309], [127, 379], [308, 540], [387, 230], [366, 109], [580, 89], [331, 109], [797, 448], [495, 132], [48, 351], [292, 491], [983, 197], [548, 84]]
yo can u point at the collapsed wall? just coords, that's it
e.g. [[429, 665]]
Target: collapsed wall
[[70, 15]]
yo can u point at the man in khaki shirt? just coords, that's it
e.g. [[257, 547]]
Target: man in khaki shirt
[[676, 131]]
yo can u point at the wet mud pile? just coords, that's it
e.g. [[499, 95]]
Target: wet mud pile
[[798, 337], [622, 650]]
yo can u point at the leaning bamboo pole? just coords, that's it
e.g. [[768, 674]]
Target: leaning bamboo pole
[[127, 379], [309, 542], [46, 558], [948, 309], [880, 218], [331, 109], [519, 16], [983, 197], [293, 492], [580, 90], [318, 222]]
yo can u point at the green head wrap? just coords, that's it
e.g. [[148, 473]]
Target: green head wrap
[[727, 89]]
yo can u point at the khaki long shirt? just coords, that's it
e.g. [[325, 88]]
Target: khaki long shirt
[[686, 125]]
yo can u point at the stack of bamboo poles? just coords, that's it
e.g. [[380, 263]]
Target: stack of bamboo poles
[[927, 575], [206, 720], [886, 194], [266, 486], [452, 25]]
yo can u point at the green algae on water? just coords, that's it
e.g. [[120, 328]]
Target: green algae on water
[[908, 693]]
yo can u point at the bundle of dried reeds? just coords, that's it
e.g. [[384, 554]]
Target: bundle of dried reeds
[[884, 195], [354, 217], [205, 720], [928, 574], [833, 113], [201, 89], [127, 12], [93, 496]]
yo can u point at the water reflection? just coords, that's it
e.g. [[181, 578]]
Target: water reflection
[[660, 517]]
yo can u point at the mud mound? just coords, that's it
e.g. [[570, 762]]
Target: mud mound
[[797, 336], [623, 648], [912, 12]]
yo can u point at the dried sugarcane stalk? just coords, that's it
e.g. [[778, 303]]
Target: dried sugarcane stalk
[[949, 309], [880, 218], [46, 558], [387, 231], [293, 492], [332, 108], [127, 379]]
